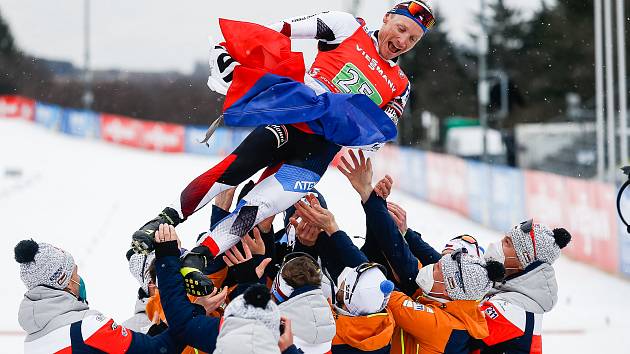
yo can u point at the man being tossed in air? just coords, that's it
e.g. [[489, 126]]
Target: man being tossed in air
[[350, 60]]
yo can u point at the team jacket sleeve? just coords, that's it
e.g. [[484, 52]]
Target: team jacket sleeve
[[338, 252], [391, 242], [411, 316], [331, 27], [421, 249], [188, 323], [395, 108], [102, 333]]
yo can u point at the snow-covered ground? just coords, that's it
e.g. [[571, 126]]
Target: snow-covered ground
[[89, 196]]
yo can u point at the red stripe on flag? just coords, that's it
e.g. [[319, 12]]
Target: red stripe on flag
[[212, 246]]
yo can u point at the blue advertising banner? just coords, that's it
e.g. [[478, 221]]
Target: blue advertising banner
[[222, 142], [507, 198], [479, 175], [48, 115], [81, 123], [413, 176], [624, 237]]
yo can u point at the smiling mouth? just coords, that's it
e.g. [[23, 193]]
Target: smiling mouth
[[392, 48]]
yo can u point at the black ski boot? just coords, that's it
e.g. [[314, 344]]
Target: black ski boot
[[193, 265], [143, 239]]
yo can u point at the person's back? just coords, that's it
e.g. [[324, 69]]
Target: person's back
[[297, 290], [55, 315], [514, 309]]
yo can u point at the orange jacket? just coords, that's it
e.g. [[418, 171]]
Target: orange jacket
[[366, 333], [429, 327]]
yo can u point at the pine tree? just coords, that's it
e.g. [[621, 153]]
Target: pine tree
[[440, 84], [7, 45]]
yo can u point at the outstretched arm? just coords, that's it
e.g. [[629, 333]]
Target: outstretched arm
[[188, 323], [331, 27]]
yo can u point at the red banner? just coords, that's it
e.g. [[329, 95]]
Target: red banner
[[142, 134], [584, 208], [17, 107], [446, 182]]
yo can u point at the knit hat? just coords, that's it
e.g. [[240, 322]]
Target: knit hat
[[537, 242], [255, 304], [366, 289], [468, 277], [43, 264], [140, 266]]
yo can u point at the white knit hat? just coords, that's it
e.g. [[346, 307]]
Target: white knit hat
[[255, 304], [537, 242], [43, 264], [468, 277], [140, 266]]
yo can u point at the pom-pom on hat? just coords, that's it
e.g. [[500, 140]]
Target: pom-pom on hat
[[537, 242], [43, 264], [468, 277], [255, 304]]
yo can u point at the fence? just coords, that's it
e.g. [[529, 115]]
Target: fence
[[495, 196]]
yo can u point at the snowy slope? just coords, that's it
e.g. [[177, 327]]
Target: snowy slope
[[88, 197]]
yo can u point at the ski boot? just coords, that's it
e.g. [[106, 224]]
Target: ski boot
[[193, 264], [143, 239]]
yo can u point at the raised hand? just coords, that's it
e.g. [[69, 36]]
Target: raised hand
[[314, 214], [255, 244], [384, 187], [359, 173], [399, 215], [214, 300], [306, 233]]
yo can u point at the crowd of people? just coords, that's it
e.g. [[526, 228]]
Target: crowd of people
[[308, 288]]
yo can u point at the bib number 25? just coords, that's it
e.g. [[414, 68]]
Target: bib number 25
[[351, 80]]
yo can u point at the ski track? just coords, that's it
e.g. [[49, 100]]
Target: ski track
[[88, 196]]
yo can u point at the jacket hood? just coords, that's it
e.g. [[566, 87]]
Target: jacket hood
[[366, 333], [311, 317], [245, 336], [41, 305], [534, 289], [467, 312]]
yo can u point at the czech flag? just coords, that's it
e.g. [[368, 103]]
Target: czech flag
[[268, 88]]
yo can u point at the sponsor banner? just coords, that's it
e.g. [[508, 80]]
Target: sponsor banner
[[585, 208], [48, 115], [81, 123], [121, 130], [478, 191], [162, 136], [219, 144], [544, 198], [624, 236], [17, 107], [412, 176], [507, 201], [142, 134], [386, 161], [591, 219], [447, 182]]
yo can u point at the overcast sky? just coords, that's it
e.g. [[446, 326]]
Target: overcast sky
[[155, 35]]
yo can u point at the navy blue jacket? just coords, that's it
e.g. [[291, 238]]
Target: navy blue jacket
[[187, 322]]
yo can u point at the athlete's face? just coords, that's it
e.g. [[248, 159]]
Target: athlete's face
[[397, 35]]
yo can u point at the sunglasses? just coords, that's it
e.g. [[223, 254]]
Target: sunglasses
[[418, 11], [457, 256], [527, 227], [362, 268]]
